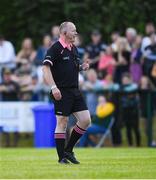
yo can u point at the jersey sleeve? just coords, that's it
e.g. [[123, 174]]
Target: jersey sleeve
[[49, 57]]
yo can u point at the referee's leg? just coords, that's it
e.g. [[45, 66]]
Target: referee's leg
[[60, 136], [79, 129]]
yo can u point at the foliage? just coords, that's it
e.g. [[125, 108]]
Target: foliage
[[20, 19]]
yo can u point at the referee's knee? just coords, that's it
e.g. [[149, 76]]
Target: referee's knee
[[85, 123], [62, 122], [88, 121]]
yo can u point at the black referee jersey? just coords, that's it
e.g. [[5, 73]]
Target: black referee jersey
[[64, 65]]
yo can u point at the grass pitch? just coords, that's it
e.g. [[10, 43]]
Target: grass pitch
[[95, 163]]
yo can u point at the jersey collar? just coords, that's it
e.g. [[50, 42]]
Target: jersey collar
[[64, 44]]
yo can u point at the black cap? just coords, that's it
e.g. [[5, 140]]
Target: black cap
[[96, 32]]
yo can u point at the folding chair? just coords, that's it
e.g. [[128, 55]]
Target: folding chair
[[107, 132]]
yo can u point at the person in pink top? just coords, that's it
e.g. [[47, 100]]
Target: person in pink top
[[107, 62]]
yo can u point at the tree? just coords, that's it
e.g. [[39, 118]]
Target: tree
[[29, 18]]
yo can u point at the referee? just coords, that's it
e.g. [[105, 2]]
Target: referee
[[60, 70]]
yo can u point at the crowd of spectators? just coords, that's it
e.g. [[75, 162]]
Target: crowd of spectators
[[126, 64]]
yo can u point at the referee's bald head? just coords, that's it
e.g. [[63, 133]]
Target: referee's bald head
[[64, 26]]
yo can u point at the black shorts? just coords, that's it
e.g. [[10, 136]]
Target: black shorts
[[71, 101]]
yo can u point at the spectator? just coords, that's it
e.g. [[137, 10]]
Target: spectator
[[9, 92], [8, 88], [150, 29], [145, 103], [145, 86], [23, 76], [150, 58], [136, 60], [91, 86], [109, 83], [106, 64], [78, 43], [27, 51], [153, 74], [94, 48], [43, 49], [46, 43], [122, 57], [130, 112], [145, 83], [7, 54], [55, 33], [38, 91], [114, 37], [104, 111], [131, 35]]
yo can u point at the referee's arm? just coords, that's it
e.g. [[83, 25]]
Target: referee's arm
[[49, 80], [47, 76]]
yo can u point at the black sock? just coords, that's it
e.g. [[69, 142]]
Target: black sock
[[75, 136], [60, 143]]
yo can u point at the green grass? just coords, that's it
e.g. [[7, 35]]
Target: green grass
[[95, 163]]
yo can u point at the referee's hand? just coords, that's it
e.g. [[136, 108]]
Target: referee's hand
[[57, 94], [85, 65]]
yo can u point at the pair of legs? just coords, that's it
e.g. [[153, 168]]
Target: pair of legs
[[7, 136], [83, 121], [92, 130], [133, 126], [131, 118]]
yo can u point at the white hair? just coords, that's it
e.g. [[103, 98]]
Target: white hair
[[64, 26], [131, 31]]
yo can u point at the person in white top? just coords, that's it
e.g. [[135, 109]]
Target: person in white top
[[150, 29], [7, 54]]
